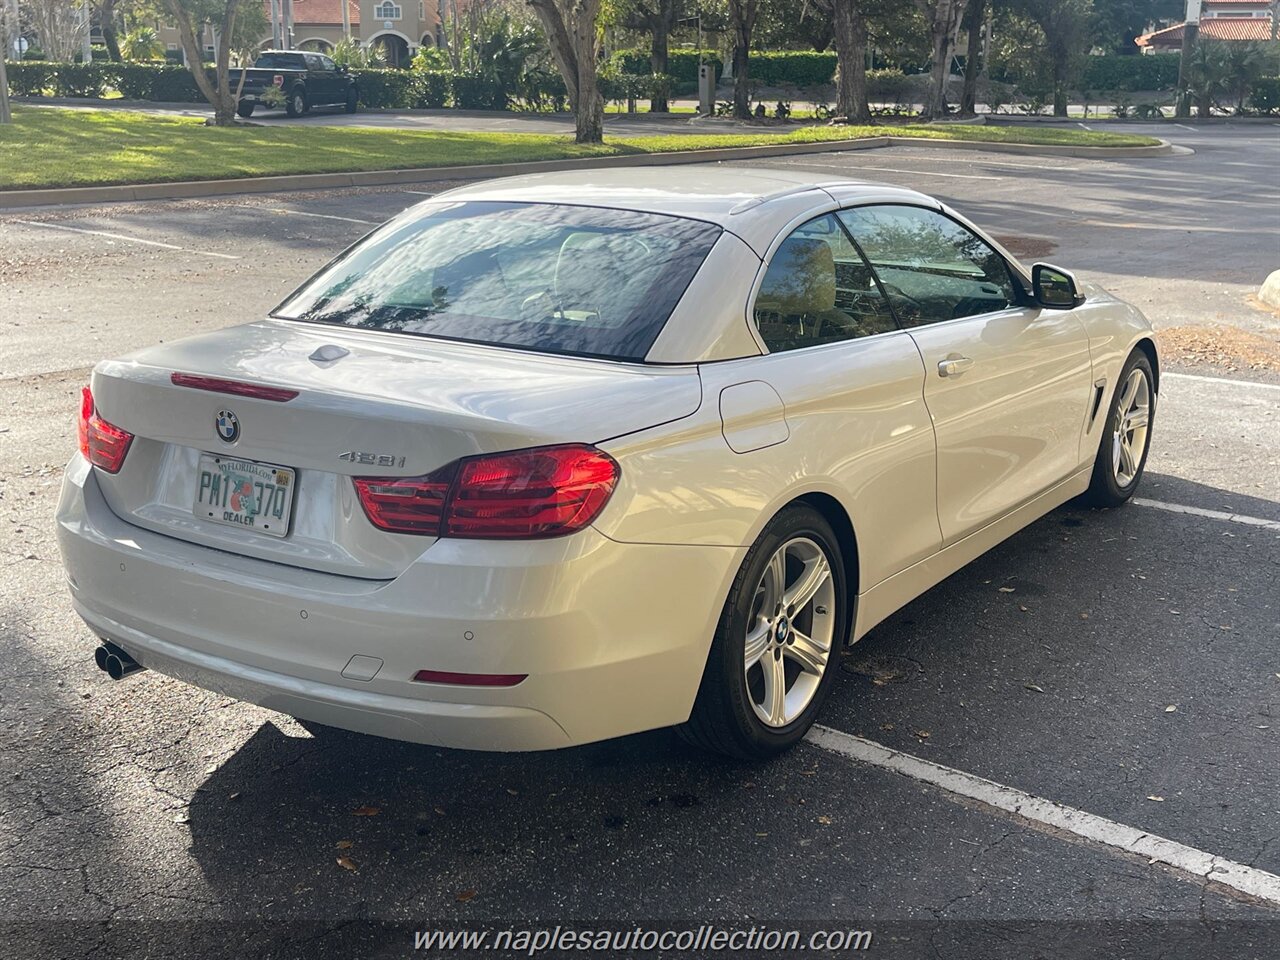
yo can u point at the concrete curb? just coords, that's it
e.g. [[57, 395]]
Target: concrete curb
[[321, 181]]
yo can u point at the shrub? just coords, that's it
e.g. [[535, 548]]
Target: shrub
[[887, 85], [794, 68], [385, 88], [1265, 97], [432, 88], [541, 90], [1152, 72], [78, 80], [475, 91], [30, 77], [171, 84], [682, 65]]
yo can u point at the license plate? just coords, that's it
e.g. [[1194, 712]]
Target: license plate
[[244, 493]]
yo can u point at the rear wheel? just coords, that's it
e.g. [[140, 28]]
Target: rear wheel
[[245, 109], [1122, 452], [296, 105], [770, 665]]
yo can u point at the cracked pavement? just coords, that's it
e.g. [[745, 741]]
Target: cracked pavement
[[150, 819]]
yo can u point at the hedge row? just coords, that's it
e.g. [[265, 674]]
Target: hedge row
[[538, 90], [682, 65], [1157, 71]]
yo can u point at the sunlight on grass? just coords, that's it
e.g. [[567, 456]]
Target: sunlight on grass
[[49, 147]]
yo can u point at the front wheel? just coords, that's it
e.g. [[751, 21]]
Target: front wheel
[[770, 665], [1122, 452]]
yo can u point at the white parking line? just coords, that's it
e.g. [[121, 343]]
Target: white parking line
[[1036, 810], [418, 193], [1185, 127], [1200, 378], [303, 213], [122, 237], [1210, 514]]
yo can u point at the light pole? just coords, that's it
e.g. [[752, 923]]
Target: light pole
[[1190, 32]]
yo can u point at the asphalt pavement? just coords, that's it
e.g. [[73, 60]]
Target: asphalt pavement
[[1124, 663]]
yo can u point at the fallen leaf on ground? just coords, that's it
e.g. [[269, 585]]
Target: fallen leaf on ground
[[514, 793], [466, 896], [1156, 799], [922, 734], [345, 844], [1033, 686], [366, 811], [1006, 589], [346, 863], [824, 820], [1171, 708], [438, 810], [887, 726]]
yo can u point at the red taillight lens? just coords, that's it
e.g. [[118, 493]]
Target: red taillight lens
[[102, 444], [406, 504], [524, 495]]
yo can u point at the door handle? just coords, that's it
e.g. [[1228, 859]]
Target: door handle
[[954, 366]]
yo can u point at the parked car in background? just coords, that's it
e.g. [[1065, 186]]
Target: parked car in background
[[303, 79], [552, 459]]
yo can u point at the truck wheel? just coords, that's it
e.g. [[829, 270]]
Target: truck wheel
[[245, 109], [352, 100], [296, 105]]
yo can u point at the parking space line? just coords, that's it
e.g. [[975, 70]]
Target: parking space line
[[418, 193], [1229, 381], [914, 173], [123, 237], [1046, 813], [1210, 514], [1185, 127], [304, 213]]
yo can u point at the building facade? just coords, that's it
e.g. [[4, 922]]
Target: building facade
[[1227, 20]]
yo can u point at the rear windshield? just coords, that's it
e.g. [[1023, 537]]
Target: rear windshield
[[280, 61], [547, 277]]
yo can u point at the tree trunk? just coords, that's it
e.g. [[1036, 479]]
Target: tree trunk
[[944, 18], [570, 26], [1061, 78], [743, 15], [217, 92], [225, 109], [658, 60], [107, 12], [975, 16], [850, 39]]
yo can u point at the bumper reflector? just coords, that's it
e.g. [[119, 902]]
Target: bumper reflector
[[469, 679]]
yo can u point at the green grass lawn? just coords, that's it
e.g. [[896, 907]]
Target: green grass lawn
[[49, 147]]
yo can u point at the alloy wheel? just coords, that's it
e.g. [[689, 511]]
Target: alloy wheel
[[1129, 433], [789, 632]]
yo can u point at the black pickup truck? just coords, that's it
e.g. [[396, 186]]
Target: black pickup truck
[[304, 79]]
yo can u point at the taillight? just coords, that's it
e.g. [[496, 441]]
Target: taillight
[[102, 444], [523, 495]]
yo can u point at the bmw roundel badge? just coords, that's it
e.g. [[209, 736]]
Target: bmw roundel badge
[[227, 425]]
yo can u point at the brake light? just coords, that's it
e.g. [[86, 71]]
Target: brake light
[[235, 387], [102, 444], [524, 495]]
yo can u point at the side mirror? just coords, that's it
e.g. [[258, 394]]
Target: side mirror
[[1055, 288]]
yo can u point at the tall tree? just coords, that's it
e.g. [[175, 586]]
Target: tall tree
[[231, 21], [1118, 23], [742, 19], [1066, 25], [570, 26], [849, 37], [974, 21], [943, 18], [656, 18]]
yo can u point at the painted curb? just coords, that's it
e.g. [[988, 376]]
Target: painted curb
[[321, 181]]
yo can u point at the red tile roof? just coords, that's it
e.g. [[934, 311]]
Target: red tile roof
[[327, 12], [1216, 28]]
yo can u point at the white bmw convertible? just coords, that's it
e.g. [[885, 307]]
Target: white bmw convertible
[[558, 458]]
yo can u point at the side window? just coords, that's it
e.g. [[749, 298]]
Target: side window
[[818, 289], [312, 61], [327, 65], [932, 268]]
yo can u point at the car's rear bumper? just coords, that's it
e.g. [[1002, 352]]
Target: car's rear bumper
[[613, 637]]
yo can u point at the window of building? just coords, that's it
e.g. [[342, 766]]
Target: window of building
[[386, 11]]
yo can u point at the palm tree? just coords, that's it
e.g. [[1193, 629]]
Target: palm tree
[[142, 43]]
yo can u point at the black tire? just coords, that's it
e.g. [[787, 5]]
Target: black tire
[[353, 100], [1106, 489], [245, 109], [723, 718], [296, 105]]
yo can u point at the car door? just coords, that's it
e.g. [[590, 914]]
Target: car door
[[335, 81], [319, 83], [1006, 383]]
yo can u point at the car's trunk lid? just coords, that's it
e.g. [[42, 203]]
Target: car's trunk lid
[[385, 405]]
